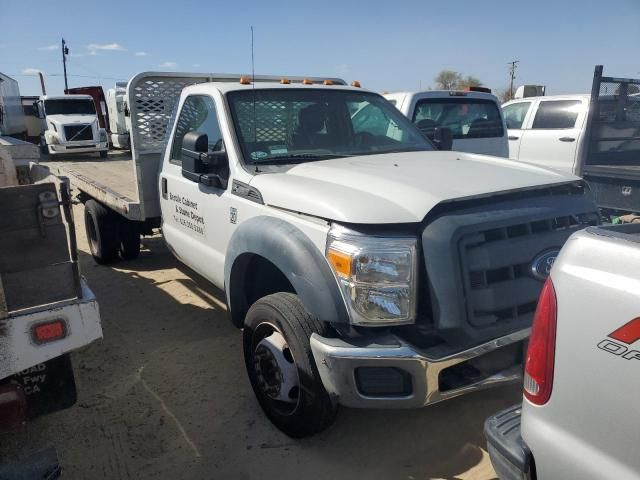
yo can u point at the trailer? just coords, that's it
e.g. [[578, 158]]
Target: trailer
[[12, 121]]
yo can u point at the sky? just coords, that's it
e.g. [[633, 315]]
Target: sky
[[387, 45]]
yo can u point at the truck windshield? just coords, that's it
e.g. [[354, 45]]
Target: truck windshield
[[299, 125], [69, 107]]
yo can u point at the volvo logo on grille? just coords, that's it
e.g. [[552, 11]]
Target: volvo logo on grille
[[541, 265]]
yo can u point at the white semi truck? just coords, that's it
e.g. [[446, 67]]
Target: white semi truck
[[365, 268], [70, 126]]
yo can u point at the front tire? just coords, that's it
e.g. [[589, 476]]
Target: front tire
[[281, 367], [101, 226], [103, 154]]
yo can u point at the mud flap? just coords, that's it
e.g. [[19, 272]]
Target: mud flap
[[48, 387]]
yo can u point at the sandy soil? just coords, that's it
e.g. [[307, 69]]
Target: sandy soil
[[165, 395]]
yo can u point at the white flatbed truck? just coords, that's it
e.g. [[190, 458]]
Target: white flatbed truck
[[366, 268]]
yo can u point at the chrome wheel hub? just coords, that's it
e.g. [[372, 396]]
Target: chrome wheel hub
[[275, 369]]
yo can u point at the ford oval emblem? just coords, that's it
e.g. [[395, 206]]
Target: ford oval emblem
[[541, 265]]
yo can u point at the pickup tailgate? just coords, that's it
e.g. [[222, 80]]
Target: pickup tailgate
[[590, 428]]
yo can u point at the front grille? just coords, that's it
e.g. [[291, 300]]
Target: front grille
[[499, 282], [479, 260], [78, 132]]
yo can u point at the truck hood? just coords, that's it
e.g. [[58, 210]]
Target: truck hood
[[396, 188], [71, 119]]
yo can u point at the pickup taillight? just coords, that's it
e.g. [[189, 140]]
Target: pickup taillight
[[538, 370]]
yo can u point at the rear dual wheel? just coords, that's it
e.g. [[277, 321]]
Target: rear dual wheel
[[109, 234], [281, 367]]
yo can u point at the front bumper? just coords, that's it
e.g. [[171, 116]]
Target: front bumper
[[340, 362], [510, 456], [83, 147]]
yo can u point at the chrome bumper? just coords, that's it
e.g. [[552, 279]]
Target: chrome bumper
[[87, 147], [338, 360]]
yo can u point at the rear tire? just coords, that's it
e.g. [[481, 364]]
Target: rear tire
[[102, 232], [307, 408], [104, 153], [129, 247]]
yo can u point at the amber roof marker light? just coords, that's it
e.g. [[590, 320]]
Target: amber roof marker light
[[307, 81], [356, 84], [285, 81], [245, 81]]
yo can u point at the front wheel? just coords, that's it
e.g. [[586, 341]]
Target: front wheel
[[103, 154], [281, 367]]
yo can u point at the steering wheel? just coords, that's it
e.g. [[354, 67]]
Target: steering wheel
[[363, 138]]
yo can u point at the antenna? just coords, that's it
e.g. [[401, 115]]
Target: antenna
[[253, 87], [253, 68]]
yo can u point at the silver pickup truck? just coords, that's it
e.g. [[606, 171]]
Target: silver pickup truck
[[579, 417]]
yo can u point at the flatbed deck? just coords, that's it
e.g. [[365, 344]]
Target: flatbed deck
[[111, 180]]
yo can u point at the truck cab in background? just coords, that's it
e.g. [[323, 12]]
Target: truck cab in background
[[118, 113], [70, 125], [473, 116], [548, 130]]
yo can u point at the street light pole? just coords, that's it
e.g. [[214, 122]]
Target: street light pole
[[65, 52]]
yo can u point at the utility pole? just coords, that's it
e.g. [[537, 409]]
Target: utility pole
[[512, 72], [65, 52]]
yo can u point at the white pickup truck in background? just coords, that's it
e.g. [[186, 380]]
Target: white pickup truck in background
[[70, 125], [594, 136], [473, 116], [579, 418]]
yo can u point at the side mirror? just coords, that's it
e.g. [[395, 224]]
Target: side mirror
[[201, 166], [37, 107], [443, 138]]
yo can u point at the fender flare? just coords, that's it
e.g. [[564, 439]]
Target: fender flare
[[293, 253]]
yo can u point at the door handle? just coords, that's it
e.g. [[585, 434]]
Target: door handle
[[164, 188], [567, 139], [513, 137]]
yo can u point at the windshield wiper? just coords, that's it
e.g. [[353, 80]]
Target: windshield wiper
[[299, 158]]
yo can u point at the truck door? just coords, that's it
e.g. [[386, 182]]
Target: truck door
[[552, 140], [190, 209], [515, 115]]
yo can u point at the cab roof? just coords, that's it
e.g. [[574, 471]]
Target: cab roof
[[66, 97], [225, 87]]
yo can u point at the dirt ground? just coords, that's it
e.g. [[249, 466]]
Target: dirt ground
[[165, 395]]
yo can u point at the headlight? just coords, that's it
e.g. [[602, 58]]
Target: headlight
[[377, 276]]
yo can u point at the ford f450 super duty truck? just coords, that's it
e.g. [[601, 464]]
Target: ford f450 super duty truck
[[365, 268], [579, 419]]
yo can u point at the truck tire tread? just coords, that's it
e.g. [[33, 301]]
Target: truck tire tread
[[102, 232], [317, 410]]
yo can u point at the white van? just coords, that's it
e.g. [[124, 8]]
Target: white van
[[474, 117]]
